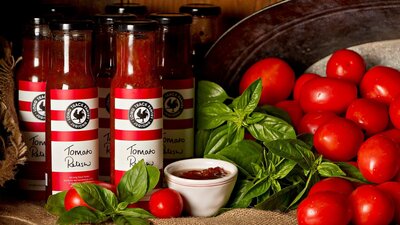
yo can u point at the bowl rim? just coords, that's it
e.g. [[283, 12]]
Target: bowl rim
[[193, 163]]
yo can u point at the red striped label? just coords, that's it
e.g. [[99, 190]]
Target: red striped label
[[144, 135], [31, 86], [60, 114], [124, 114], [33, 126], [73, 93], [139, 93], [74, 135], [63, 181]]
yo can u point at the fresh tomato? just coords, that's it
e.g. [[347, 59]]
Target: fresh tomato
[[334, 184], [392, 133], [370, 115], [327, 208], [73, 199], [277, 79], [292, 107], [166, 203], [338, 139], [378, 159], [371, 206], [327, 94], [346, 64], [300, 81], [310, 122], [380, 83], [392, 188], [394, 112]]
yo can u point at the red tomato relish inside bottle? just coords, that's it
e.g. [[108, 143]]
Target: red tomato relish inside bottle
[[71, 107], [31, 85], [135, 99]]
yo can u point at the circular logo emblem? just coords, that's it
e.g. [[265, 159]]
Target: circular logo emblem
[[173, 104], [39, 107], [108, 102], [141, 114], [77, 115]]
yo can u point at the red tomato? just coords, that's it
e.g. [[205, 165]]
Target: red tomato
[[72, 200], [327, 208], [338, 139], [380, 83], [370, 115], [393, 134], [334, 184], [394, 112], [292, 107], [393, 190], [378, 159], [277, 79], [166, 203], [371, 206], [310, 122], [346, 64], [300, 81], [327, 94]]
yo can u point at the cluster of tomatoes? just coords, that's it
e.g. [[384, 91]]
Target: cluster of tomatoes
[[353, 113], [163, 203]]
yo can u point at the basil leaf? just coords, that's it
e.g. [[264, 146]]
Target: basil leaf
[[236, 199], [312, 179], [271, 128], [55, 203], [153, 174], [284, 169], [307, 138], [244, 153], [218, 140], [235, 133], [202, 137], [128, 220], [279, 200], [97, 197], [352, 173], [293, 149], [249, 99], [254, 117], [275, 112], [328, 169], [136, 212], [131, 187], [209, 91], [221, 157], [259, 187], [81, 214], [213, 115]]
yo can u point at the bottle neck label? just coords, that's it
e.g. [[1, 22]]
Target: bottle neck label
[[138, 128], [74, 136], [178, 113]]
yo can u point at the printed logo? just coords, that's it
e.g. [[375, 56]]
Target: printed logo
[[173, 104], [141, 114], [39, 107], [77, 115], [107, 102]]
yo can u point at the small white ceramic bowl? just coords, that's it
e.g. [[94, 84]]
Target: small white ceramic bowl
[[202, 198]]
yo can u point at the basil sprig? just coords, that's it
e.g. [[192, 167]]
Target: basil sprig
[[104, 204], [278, 167]]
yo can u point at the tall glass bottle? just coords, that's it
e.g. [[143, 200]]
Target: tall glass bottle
[[31, 78], [104, 69], [71, 107], [135, 99], [175, 69]]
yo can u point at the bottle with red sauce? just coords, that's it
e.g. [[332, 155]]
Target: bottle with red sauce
[[31, 78], [104, 69], [72, 150], [175, 69], [135, 99]]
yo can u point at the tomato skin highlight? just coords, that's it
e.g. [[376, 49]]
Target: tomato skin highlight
[[327, 94], [371, 206], [72, 200], [166, 203], [277, 77], [346, 64], [338, 139], [324, 208], [378, 159], [380, 83]]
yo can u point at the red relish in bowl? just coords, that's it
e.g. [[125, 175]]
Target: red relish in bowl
[[202, 174]]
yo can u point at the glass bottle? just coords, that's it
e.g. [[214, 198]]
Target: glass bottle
[[104, 67], [175, 69], [135, 99], [31, 78], [205, 30], [71, 107], [134, 8]]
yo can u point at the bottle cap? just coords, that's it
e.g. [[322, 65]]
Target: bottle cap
[[201, 9]]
